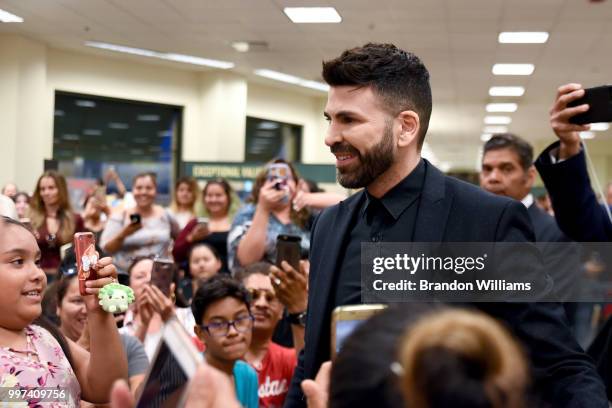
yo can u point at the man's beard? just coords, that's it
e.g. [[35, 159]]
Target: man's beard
[[371, 165]]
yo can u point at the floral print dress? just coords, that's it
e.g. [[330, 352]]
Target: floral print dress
[[43, 367]]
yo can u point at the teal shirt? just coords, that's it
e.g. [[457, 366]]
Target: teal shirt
[[245, 380]]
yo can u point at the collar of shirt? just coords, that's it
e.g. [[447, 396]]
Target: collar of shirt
[[528, 200], [400, 197]]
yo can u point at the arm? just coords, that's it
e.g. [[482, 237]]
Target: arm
[[291, 288], [183, 242], [115, 233], [317, 201]]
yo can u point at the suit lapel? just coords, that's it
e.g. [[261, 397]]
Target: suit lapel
[[434, 208]]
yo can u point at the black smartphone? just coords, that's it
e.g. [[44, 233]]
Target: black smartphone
[[599, 100], [135, 218], [162, 275], [288, 249]]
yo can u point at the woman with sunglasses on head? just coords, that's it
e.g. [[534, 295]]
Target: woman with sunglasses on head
[[52, 219], [217, 196], [32, 357]]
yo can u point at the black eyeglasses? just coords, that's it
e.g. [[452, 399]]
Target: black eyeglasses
[[220, 329]]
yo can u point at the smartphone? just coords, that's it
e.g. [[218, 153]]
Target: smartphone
[[135, 218], [100, 195], [203, 221], [280, 173], [288, 249], [174, 363], [162, 275], [345, 319], [86, 257], [600, 106]]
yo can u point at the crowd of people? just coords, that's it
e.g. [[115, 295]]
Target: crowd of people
[[264, 326]]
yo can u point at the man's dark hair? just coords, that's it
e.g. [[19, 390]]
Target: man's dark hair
[[216, 288], [397, 76], [262, 268], [521, 147]]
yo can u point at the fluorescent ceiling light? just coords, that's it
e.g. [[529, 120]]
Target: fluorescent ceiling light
[[118, 125], [312, 14], [6, 17], [70, 136], [513, 69], [188, 59], [495, 129], [85, 104], [92, 132], [148, 118], [485, 137], [58, 112], [506, 91], [241, 46], [497, 120], [290, 79], [600, 127], [523, 37], [501, 107], [587, 135]]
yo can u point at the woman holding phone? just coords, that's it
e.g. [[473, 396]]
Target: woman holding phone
[[53, 221], [147, 229], [269, 214], [213, 230], [33, 357]]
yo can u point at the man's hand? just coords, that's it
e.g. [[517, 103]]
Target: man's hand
[[290, 286], [560, 114], [317, 391]]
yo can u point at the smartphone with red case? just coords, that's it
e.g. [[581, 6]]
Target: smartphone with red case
[[86, 257]]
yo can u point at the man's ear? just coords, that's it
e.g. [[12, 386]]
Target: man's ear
[[531, 175], [410, 126]]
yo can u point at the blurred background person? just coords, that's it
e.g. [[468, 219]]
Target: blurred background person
[[95, 214], [184, 199], [204, 262], [52, 219], [146, 229], [268, 214], [10, 190], [22, 205], [213, 230], [543, 201]]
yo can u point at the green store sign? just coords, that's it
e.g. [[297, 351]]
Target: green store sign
[[321, 173]]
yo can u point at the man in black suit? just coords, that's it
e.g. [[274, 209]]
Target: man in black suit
[[507, 170], [563, 169], [378, 110]]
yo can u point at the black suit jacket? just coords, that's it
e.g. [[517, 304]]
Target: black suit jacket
[[454, 211], [577, 211]]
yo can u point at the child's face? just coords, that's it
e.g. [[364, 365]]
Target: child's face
[[203, 264], [234, 345], [23, 281]]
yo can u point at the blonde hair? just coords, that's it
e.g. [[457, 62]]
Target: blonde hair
[[65, 214], [195, 192], [469, 350]]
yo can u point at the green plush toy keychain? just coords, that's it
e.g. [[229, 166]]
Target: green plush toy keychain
[[115, 297]]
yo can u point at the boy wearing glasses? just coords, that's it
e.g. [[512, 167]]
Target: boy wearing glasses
[[224, 323], [274, 364]]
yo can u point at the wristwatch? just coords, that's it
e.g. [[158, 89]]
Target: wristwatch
[[297, 318]]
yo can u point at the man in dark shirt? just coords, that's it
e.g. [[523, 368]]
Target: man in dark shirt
[[378, 109]]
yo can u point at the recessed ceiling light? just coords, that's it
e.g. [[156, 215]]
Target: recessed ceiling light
[[6, 17], [523, 37], [513, 69], [485, 137], [495, 129], [312, 14], [501, 107], [188, 59], [497, 120], [291, 79], [600, 127], [587, 135], [506, 91]]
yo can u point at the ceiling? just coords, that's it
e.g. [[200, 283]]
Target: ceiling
[[457, 40]]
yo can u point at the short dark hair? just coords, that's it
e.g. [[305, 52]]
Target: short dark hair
[[262, 268], [150, 174], [215, 288], [520, 146], [399, 77]]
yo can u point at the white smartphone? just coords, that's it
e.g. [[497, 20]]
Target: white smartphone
[[174, 364]]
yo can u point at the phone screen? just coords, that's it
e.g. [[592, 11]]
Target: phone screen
[[162, 275], [86, 257], [288, 249], [166, 381], [343, 329]]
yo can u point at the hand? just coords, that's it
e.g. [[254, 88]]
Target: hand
[[160, 302], [131, 228], [301, 200], [106, 273], [198, 233], [290, 286], [144, 308], [271, 199], [317, 391], [209, 388], [560, 114]]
